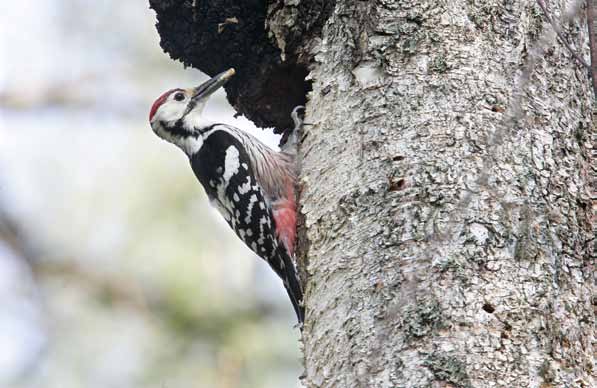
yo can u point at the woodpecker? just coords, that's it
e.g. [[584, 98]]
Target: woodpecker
[[251, 185]]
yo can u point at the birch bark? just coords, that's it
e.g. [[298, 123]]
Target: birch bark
[[445, 198]]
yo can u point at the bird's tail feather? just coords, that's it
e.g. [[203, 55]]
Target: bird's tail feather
[[292, 284]]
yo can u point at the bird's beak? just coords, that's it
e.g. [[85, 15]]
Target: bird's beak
[[210, 86]]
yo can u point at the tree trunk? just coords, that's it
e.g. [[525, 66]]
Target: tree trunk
[[444, 183]]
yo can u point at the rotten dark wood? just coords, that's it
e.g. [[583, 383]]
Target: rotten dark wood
[[214, 35]]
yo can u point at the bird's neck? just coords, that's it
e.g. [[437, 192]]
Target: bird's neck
[[188, 134], [190, 145]]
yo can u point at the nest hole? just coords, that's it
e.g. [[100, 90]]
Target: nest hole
[[284, 89]]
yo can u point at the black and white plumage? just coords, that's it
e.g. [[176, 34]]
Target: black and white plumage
[[252, 186]]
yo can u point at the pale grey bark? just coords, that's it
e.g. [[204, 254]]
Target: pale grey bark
[[445, 197]]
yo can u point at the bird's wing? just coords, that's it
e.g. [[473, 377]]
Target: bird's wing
[[267, 227], [274, 171]]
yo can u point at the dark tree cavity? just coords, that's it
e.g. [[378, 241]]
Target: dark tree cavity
[[215, 35]]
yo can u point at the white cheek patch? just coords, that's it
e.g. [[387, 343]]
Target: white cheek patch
[[170, 111]]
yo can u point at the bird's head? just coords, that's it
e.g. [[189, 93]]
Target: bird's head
[[176, 114]]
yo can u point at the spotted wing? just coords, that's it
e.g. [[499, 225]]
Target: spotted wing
[[226, 172]]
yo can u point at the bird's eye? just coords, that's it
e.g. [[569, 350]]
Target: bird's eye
[[179, 96]]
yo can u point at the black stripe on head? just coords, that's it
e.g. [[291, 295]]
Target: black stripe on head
[[178, 129]]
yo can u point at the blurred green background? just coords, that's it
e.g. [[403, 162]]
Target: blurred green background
[[114, 269]]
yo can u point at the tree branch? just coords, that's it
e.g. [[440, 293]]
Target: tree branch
[[592, 43]]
